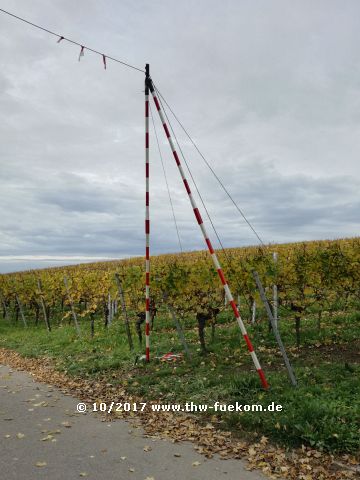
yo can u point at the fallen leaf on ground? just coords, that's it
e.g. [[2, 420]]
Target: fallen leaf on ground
[[66, 424]]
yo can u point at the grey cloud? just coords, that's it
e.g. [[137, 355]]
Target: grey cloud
[[75, 193], [285, 207]]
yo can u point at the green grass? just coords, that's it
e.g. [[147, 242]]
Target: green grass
[[323, 411]]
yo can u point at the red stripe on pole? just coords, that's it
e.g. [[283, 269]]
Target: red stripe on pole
[[147, 139], [147, 170], [210, 247], [147, 278], [248, 343], [147, 199], [187, 186], [263, 379], [157, 103], [221, 275], [176, 158], [166, 130], [198, 216], [147, 305], [147, 354], [147, 226], [234, 307], [147, 253], [147, 108], [147, 329]]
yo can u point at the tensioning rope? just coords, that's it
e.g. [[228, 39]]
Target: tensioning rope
[[166, 181], [210, 167], [190, 173]]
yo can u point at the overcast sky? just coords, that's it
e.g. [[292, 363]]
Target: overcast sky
[[269, 90]]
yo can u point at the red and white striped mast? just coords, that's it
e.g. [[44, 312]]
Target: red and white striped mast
[[147, 217], [208, 242]]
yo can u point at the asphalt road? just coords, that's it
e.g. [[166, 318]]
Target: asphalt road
[[43, 437]]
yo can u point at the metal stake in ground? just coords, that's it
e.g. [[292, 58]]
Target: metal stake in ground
[[207, 241], [73, 312], [275, 292], [110, 309], [46, 318], [274, 327], [147, 217]]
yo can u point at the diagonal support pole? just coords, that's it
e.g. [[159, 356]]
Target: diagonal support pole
[[207, 240]]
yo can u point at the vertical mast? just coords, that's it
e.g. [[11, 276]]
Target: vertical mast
[[147, 217]]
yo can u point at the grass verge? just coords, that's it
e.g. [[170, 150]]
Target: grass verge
[[323, 411]]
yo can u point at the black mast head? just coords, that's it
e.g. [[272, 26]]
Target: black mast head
[[148, 82]]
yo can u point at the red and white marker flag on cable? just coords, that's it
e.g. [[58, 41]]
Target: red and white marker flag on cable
[[147, 219], [208, 242], [81, 54]]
